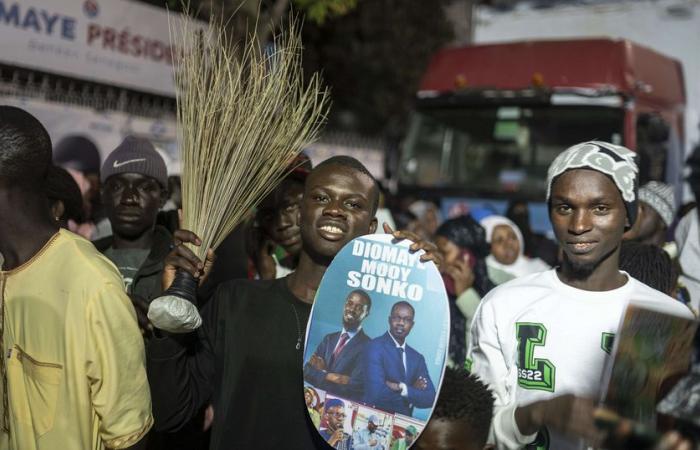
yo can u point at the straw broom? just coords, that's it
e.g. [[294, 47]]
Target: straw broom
[[243, 115]]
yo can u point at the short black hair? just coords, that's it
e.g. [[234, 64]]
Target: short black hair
[[362, 294], [60, 185], [352, 163], [649, 264], [403, 303], [25, 148], [464, 397]]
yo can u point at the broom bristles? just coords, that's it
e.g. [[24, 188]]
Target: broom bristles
[[243, 115]]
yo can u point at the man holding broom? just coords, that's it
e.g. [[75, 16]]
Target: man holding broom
[[246, 359]]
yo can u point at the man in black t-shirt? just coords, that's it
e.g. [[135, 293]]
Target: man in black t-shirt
[[246, 359]]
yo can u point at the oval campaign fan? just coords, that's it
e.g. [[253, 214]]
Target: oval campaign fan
[[376, 345]]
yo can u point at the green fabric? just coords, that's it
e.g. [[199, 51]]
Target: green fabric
[[468, 364], [128, 261], [399, 444], [315, 417], [498, 276]]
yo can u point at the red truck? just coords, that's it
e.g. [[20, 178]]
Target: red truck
[[489, 119]]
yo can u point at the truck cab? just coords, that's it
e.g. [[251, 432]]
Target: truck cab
[[489, 119]]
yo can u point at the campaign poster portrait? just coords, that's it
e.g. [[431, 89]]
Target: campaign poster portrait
[[336, 422], [371, 428], [378, 334], [405, 432]]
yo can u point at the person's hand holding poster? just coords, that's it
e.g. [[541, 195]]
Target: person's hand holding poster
[[377, 341]]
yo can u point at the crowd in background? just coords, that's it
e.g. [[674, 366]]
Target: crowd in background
[[127, 206]]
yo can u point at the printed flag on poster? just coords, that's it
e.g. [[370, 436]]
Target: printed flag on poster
[[376, 345]]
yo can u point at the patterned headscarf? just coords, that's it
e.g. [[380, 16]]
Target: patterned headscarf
[[615, 161], [661, 198]]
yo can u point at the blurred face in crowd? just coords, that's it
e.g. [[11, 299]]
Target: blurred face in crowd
[[505, 246], [449, 250], [430, 221], [410, 438], [131, 202], [588, 216], [337, 207], [279, 215], [649, 226]]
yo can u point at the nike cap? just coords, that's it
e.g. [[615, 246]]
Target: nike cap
[[135, 155]]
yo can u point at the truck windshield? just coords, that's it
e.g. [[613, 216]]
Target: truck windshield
[[500, 149]]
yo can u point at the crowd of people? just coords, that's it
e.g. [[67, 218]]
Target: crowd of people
[[532, 319]]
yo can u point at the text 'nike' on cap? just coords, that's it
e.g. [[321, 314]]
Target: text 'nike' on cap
[[135, 155]]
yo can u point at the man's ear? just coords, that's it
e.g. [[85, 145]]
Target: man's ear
[[373, 225], [57, 210]]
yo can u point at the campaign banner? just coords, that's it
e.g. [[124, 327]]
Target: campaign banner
[[106, 129], [376, 345], [117, 42]]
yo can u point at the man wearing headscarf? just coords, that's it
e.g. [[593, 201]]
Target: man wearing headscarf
[[657, 209], [507, 248], [541, 341]]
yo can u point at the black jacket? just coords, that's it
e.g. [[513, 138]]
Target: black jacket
[[147, 282], [242, 360]]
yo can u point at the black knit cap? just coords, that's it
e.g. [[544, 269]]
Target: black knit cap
[[135, 155]]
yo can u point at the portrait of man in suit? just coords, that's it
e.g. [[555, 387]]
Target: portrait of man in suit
[[396, 376], [336, 365]]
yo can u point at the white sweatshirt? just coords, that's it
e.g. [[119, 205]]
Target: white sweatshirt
[[565, 336]]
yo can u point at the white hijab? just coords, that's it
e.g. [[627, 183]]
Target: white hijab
[[522, 265]]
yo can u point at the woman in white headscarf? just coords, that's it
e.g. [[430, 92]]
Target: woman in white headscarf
[[507, 246]]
